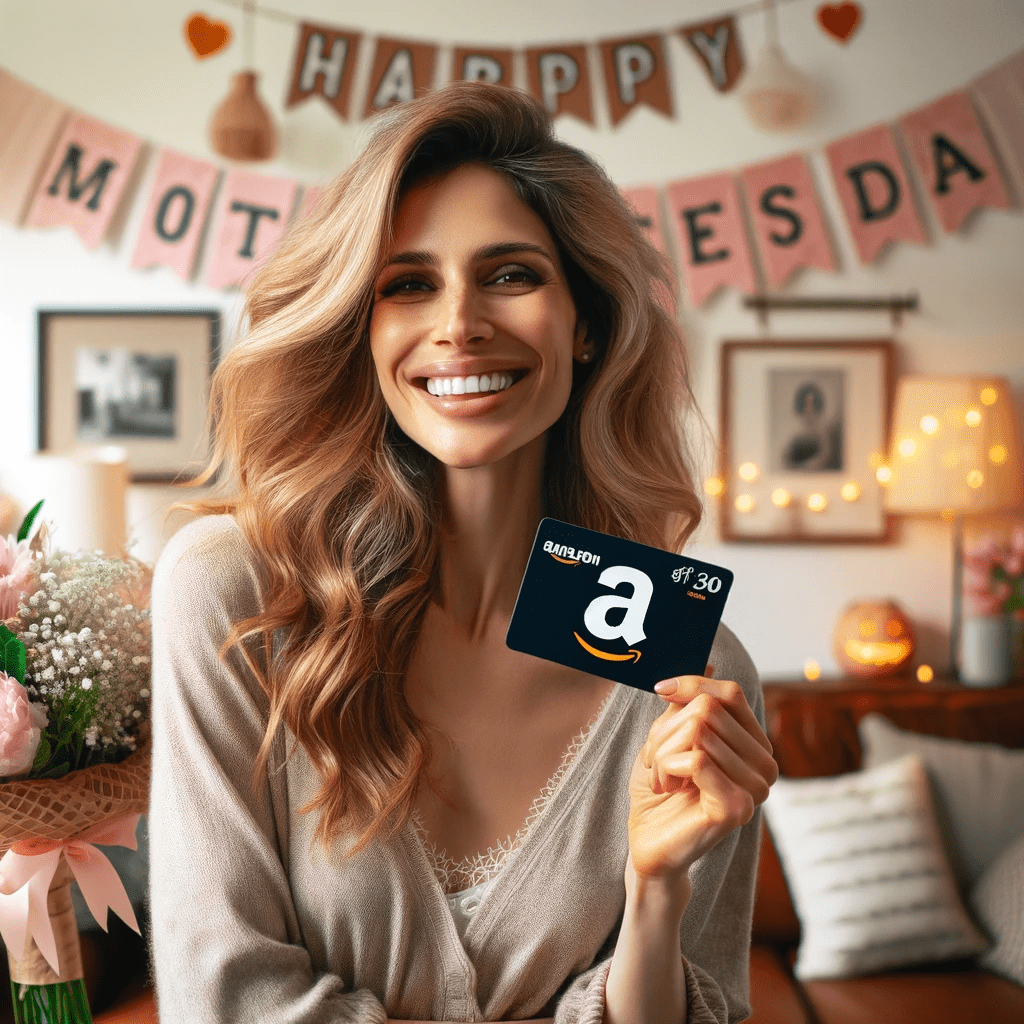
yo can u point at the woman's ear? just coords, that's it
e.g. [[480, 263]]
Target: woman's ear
[[583, 349]]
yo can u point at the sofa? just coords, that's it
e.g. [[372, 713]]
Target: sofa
[[814, 731]]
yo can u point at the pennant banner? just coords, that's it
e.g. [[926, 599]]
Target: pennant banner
[[1000, 97], [175, 214], [712, 239], [252, 213], [646, 206], [401, 70], [85, 179], [954, 159], [30, 122], [560, 79], [482, 65], [874, 191], [717, 44], [635, 73], [787, 219], [325, 60]]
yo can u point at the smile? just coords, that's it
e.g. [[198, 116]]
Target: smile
[[472, 385]]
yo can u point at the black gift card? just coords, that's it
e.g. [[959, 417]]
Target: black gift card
[[615, 608]]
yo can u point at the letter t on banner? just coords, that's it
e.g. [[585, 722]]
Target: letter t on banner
[[252, 215], [713, 246]]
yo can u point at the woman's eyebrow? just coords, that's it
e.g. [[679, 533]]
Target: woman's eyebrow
[[421, 257]]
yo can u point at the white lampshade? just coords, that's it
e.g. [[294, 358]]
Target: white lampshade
[[84, 497], [954, 447], [776, 96]]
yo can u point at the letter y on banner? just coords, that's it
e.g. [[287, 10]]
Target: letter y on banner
[[85, 179]]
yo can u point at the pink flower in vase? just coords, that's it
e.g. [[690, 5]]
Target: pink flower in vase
[[15, 572], [21, 727]]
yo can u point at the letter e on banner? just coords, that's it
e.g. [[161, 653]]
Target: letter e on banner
[[482, 65], [787, 219], [635, 74], [713, 246], [172, 225], [631, 628], [252, 214], [954, 159], [400, 71], [874, 191], [560, 79], [85, 179], [324, 62]]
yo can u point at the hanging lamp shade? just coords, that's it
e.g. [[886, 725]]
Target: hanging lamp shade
[[776, 96], [241, 127]]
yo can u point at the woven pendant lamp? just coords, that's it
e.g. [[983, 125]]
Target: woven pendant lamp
[[241, 127]]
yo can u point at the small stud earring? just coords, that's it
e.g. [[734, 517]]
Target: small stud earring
[[585, 356]]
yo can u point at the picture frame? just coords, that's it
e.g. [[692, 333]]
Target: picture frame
[[135, 378], [803, 428]]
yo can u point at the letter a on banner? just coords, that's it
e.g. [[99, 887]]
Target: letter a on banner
[[954, 159], [635, 74], [324, 63], [400, 72], [85, 179], [175, 214], [560, 79], [787, 219], [713, 246], [252, 214], [482, 65], [875, 191], [718, 47]]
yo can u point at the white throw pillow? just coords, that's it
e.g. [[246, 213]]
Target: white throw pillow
[[979, 790], [998, 902], [868, 873]]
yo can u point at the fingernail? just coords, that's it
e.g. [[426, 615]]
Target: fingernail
[[666, 686]]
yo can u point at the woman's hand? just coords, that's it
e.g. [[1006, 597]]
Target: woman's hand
[[705, 767]]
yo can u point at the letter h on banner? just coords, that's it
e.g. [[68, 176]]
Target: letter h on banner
[[324, 66]]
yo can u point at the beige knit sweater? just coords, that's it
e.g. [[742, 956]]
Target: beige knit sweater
[[252, 923]]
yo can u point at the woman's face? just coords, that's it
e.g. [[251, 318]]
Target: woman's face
[[473, 329]]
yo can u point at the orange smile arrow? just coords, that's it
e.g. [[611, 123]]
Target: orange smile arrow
[[564, 561], [604, 654]]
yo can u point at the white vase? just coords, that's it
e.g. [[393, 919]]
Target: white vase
[[985, 650]]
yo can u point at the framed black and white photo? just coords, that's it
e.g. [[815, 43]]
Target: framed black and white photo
[[137, 379], [803, 432]]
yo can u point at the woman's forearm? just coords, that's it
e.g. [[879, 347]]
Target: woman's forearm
[[646, 983]]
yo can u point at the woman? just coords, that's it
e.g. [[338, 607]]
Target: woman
[[347, 757]]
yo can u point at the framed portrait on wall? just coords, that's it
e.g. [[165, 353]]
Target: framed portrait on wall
[[803, 428], [137, 379]]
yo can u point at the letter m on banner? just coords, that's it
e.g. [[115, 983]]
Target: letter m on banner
[[85, 179]]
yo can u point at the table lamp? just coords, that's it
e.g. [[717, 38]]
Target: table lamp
[[954, 452]]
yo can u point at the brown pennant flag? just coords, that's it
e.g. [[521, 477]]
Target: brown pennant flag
[[325, 59], [401, 70], [482, 65], [558, 76], [634, 74], [717, 44]]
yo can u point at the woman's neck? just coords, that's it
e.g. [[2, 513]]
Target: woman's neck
[[489, 519]]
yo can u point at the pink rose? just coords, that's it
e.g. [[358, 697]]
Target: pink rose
[[21, 727], [15, 570]]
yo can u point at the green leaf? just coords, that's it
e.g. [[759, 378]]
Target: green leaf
[[27, 522], [55, 773], [42, 755], [12, 655]]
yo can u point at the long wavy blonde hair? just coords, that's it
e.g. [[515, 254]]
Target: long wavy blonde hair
[[342, 509]]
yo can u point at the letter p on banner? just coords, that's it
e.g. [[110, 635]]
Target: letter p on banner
[[85, 179]]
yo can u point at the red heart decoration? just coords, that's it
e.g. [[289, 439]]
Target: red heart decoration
[[206, 37], [839, 20]]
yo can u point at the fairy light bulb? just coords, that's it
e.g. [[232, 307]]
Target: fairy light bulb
[[929, 424], [850, 491], [749, 472], [714, 486], [781, 498], [744, 503]]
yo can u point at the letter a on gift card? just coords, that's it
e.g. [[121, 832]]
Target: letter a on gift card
[[85, 179]]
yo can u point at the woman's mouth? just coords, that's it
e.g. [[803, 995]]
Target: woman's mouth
[[472, 385]]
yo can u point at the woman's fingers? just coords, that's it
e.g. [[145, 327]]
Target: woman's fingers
[[734, 804], [683, 689]]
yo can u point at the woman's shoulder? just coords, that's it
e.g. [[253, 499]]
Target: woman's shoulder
[[731, 661]]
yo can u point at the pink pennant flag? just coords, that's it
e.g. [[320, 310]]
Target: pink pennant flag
[[30, 122], [999, 95], [85, 179], [644, 202], [787, 219], [713, 244], [874, 191], [312, 195], [253, 211], [175, 214], [954, 159]]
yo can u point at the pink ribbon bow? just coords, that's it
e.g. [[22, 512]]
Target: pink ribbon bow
[[28, 867]]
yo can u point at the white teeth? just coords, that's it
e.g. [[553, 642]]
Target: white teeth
[[469, 385]]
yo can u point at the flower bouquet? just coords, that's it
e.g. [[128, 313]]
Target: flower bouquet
[[74, 757], [994, 579]]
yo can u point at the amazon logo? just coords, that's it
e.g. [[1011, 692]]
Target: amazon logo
[[634, 607], [570, 556]]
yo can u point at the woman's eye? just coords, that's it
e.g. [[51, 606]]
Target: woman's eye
[[404, 286], [515, 275]]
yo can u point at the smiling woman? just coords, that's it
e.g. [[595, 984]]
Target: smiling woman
[[383, 810]]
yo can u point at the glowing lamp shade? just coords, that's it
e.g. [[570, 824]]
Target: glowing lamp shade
[[873, 638], [776, 96], [954, 447], [241, 127]]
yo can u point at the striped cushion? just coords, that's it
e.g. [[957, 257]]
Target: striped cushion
[[868, 873], [998, 900]]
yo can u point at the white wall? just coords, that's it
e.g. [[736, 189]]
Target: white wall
[[125, 62]]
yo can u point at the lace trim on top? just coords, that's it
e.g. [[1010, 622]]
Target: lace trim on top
[[455, 876]]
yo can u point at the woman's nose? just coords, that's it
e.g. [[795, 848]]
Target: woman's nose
[[461, 317]]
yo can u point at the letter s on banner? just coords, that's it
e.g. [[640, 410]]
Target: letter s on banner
[[631, 629]]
